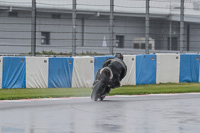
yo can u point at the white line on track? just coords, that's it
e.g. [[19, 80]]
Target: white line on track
[[75, 98]]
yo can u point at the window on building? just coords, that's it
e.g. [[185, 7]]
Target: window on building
[[13, 14], [173, 45], [56, 15], [136, 46], [150, 46], [119, 41], [45, 38], [142, 45]]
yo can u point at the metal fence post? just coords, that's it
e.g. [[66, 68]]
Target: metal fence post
[[33, 28], [147, 28], [170, 35], [182, 26], [74, 28], [83, 31], [111, 26]]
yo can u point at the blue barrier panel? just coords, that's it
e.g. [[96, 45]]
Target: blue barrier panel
[[145, 69], [60, 72], [98, 61], [189, 68], [14, 72]]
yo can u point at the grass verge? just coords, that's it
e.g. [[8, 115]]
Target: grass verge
[[11, 94]]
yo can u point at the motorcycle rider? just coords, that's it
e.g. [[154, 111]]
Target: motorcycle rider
[[113, 71]]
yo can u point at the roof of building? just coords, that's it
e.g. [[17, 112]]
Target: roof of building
[[169, 9]]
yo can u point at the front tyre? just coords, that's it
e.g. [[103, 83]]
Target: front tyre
[[97, 90], [100, 85], [94, 96]]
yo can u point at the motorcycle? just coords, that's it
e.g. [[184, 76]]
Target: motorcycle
[[101, 85]]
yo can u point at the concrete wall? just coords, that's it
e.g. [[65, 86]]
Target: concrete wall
[[56, 72]]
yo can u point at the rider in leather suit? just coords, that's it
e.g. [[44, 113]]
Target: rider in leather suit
[[113, 71]]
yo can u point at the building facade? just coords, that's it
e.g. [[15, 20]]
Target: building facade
[[54, 29]]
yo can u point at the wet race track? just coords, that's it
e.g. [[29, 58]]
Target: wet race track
[[178, 113]]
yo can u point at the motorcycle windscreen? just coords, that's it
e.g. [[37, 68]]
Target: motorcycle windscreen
[[189, 68], [98, 61], [145, 69], [14, 72], [37, 72], [60, 72]]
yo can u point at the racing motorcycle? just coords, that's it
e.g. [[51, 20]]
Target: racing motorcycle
[[101, 85]]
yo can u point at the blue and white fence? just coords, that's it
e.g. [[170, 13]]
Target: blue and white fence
[[67, 72]]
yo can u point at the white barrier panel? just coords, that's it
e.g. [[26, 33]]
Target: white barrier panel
[[83, 72], [37, 72], [1, 64], [168, 68], [130, 78]]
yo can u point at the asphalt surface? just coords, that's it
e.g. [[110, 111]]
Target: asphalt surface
[[119, 114]]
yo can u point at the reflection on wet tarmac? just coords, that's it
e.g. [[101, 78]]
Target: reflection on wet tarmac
[[143, 114]]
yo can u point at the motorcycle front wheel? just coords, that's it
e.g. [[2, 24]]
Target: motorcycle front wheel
[[98, 88]]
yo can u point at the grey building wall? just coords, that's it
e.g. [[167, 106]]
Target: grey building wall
[[15, 32], [160, 32], [194, 37], [131, 28]]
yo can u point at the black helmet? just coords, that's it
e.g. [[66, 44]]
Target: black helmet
[[119, 55]]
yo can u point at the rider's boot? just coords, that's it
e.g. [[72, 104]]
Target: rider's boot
[[106, 91]]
